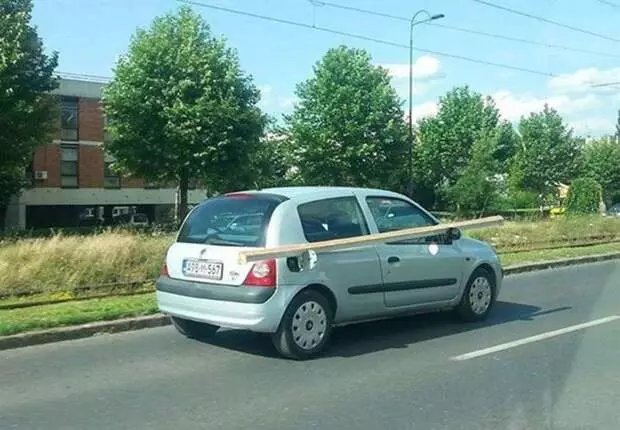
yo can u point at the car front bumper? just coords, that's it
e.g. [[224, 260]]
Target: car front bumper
[[257, 309]]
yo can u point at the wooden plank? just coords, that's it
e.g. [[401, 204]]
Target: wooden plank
[[371, 239]]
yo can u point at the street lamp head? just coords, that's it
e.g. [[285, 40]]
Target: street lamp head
[[429, 17]]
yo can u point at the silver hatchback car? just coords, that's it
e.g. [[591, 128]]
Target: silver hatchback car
[[203, 286]]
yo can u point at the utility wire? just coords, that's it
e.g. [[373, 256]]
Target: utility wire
[[608, 3], [606, 84], [548, 21], [367, 38], [463, 30]]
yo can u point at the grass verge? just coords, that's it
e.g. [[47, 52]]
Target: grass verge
[[73, 313], [509, 259], [60, 264], [66, 314], [524, 234]]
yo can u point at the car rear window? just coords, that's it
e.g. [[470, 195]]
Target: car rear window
[[231, 220]]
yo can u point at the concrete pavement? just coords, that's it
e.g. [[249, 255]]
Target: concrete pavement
[[398, 374]]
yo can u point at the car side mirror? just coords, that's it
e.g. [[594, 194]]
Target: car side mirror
[[454, 234]]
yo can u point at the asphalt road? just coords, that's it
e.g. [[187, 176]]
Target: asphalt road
[[399, 374]]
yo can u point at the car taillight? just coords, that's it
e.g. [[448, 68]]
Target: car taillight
[[164, 271], [262, 274]]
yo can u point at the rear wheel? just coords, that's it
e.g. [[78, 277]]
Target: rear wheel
[[305, 327], [478, 297], [193, 329]]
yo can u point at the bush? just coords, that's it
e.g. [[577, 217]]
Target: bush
[[584, 196], [517, 199]]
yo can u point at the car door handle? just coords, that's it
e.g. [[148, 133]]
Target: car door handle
[[393, 260]]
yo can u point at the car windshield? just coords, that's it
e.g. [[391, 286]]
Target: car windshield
[[139, 218], [233, 220]]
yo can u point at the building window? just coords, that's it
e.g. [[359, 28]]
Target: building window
[[69, 166], [69, 118], [29, 175], [111, 179]]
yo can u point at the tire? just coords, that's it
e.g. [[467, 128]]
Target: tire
[[306, 326], [478, 297], [193, 329]]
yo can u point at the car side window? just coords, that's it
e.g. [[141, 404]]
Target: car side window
[[391, 214], [335, 218]]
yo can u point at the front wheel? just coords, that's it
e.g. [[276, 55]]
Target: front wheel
[[193, 329], [305, 327], [478, 297]]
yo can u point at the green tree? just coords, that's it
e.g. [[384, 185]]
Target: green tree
[[477, 186], [601, 162], [507, 145], [180, 108], [584, 196], [548, 153], [445, 141], [270, 162], [348, 126], [27, 111]]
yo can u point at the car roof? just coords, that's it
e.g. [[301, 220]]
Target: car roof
[[306, 192]]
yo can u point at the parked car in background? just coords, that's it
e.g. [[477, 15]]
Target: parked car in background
[[203, 286], [614, 210], [131, 220]]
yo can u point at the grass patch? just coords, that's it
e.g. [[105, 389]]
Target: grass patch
[[521, 234], [74, 313], [81, 312], [509, 259], [61, 262]]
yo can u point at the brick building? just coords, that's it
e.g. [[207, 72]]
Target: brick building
[[72, 182]]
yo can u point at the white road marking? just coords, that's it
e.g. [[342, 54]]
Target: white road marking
[[536, 338]]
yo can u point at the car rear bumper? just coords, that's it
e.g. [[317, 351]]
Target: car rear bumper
[[219, 292], [252, 308]]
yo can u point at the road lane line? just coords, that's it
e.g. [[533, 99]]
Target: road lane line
[[536, 338]]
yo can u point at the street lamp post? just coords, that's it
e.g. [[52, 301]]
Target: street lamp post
[[412, 23]]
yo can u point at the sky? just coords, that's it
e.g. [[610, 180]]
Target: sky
[[90, 35]]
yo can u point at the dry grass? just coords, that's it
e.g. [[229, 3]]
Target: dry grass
[[60, 263], [561, 230]]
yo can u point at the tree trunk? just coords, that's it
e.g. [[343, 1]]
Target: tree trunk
[[182, 206], [3, 209]]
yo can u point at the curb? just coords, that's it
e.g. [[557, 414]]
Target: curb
[[81, 331], [534, 267], [159, 320]]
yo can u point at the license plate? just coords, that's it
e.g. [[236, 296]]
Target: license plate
[[202, 269]]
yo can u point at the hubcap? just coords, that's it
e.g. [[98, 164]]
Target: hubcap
[[480, 295], [308, 325]]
